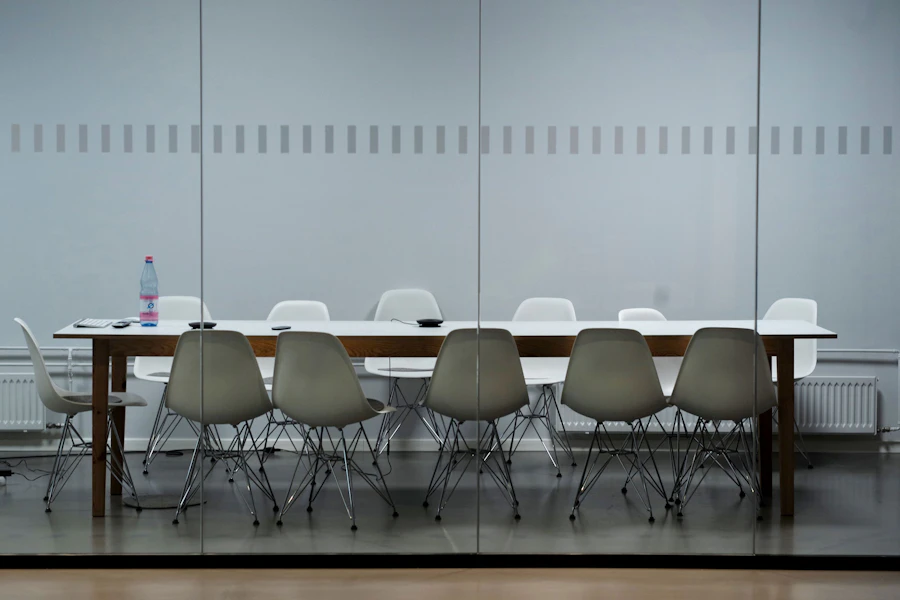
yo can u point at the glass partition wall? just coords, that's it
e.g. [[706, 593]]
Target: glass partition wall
[[601, 201], [828, 210], [618, 185], [99, 167], [340, 180]]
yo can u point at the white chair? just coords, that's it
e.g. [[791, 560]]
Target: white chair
[[548, 373], [70, 404], [157, 369], [405, 305], [316, 385], [725, 377], [287, 310], [478, 377], [805, 351], [666, 366], [232, 393], [611, 377]]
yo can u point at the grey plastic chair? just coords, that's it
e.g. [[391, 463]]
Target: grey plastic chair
[[232, 393], [725, 377], [612, 377], [70, 404], [316, 385], [478, 377]]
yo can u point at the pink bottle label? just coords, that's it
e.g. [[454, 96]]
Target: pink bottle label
[[149, 311]]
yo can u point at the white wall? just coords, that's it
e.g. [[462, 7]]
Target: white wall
[[673, 230]]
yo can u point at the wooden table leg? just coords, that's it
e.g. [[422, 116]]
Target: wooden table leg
[[119, 374], [100, 401], [786, 426], [765, 453]]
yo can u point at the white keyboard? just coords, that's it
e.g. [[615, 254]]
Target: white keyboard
[[93, 323]]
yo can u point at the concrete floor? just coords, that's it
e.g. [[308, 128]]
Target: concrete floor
[[846, 505]]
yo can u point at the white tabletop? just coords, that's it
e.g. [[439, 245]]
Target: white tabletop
[[773, 328]]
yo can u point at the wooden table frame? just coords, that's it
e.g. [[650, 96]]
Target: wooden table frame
[[119, 347]]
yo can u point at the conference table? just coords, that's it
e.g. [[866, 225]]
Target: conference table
[[397, 339]]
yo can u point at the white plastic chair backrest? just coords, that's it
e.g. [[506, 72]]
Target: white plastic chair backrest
[[49, 393], [172, 308], [492, 355], [299, 310], [666, 366], [315, 382], [805, 351], [716, 381], [233, 389], [612, 377], [545, 309], [407, 305], [640, 314]]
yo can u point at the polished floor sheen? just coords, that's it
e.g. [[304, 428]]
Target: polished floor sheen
[[445, 584], [846, 505]]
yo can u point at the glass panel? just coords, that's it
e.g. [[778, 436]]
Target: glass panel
[[340, 162], [828, 213], [618, 172], [98, 168]]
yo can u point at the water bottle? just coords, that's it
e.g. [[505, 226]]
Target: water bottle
[[149, 295]]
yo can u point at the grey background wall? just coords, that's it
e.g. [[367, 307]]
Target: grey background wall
[[304, 199]]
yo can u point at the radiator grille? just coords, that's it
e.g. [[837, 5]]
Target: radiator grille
[[20, 407], [826, 405]]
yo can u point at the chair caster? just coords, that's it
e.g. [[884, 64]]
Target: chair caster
[[144, 462], [624, 490], [174, 521], [353, 528], [558, 475], [509, 461], [309, 509], [231, 480], [437, 517], [46, 498], [671, 499], [146, 471], [138, 509], [678, 501], [680, 514], [262, 469], [809, 466], [275, 508], [328, 472], [572, 517], [574, 464], [480, 472], [651, 519], [701, 466], [212, 461], [518, 517], [759, 517], [47, 510], [279, 522], [396, 514], [668, 506], [374, 462], [742, 494], [256, 523], [425, 504]]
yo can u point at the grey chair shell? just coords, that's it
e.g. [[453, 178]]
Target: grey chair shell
[[612, 377], [716, 380], [492, 356], [233, 391]]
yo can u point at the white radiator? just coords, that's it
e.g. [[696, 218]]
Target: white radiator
[[832, 405], [20, 407]]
